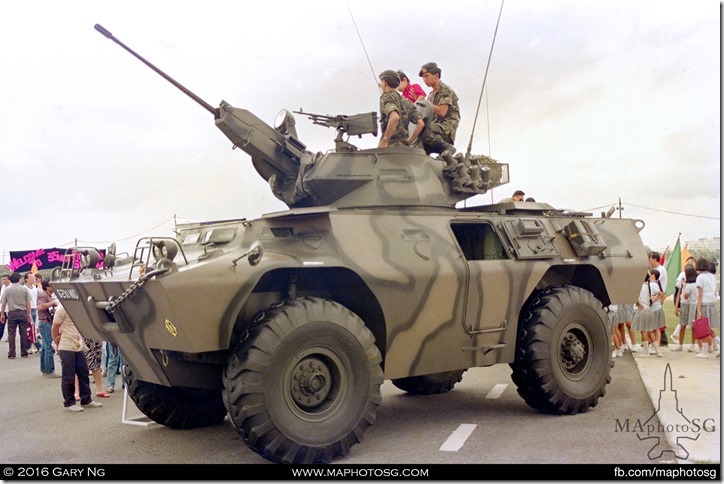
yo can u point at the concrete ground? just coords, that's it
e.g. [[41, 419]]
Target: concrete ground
[[686, 395]]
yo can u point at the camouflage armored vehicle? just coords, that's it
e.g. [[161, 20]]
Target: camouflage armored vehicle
[[290, 323]]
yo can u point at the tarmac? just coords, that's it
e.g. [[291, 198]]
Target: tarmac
[[685, 392], [686, 395]]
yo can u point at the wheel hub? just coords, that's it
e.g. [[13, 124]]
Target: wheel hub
[[311, 383], [572, 351]]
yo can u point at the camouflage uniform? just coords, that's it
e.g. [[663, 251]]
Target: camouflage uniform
[[391, 101], [410, 115], [440, 134]]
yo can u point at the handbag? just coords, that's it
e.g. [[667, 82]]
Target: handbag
[[701, 328]]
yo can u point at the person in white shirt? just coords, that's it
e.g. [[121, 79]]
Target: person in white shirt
[[680, 283], [5, 283], [706, 301], [644, 319], [33, 327], [655, 264]]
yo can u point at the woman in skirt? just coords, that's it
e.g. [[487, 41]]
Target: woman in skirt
[[615, 324], [686, 307], [621, 316], [644, 319], [706, 302], [93, 357]]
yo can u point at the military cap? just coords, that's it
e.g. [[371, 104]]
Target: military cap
[[430, 67], [390, 77]]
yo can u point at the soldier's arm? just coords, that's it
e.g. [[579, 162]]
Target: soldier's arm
[[440, 110], [392, 122], [445, 99]]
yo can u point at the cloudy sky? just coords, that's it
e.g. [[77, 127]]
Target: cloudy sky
[[588, 101]]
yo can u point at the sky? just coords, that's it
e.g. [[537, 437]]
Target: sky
[[590, 103]]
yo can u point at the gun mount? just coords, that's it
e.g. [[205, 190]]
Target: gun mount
[[355, 125], [346, 177]]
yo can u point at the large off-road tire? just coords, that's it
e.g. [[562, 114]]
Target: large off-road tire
[[563, 359], [429, 384], [176, 407], [304, 385]]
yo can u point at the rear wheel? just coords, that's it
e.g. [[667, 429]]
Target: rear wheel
[[176, 407], [429, 384], [563, 360], [304, 385]]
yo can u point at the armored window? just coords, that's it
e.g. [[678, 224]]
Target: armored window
[[479, 241]]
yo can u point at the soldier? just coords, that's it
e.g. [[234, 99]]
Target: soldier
[[518, 196], [440, 134], [394, 130]]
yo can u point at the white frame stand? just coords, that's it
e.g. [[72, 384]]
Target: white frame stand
[[138, 420]]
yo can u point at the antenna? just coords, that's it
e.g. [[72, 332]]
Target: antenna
[[374, 76], [470, 144]]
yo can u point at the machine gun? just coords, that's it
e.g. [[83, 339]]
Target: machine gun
[[351, 125]]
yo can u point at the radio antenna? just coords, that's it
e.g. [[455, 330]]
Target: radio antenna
[[490, 55], [374, 76]]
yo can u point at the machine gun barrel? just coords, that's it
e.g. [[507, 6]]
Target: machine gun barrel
[[190, 94]]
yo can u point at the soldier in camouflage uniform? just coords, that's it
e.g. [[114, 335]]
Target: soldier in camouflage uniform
[[396, 114], [394, 127], [440, 134]]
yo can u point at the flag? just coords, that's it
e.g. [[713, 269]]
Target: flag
[[663, 256], [673, 268], [685, 254], [34, 268]]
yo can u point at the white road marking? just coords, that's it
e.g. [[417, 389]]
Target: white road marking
[[497, 390], [458, 438]]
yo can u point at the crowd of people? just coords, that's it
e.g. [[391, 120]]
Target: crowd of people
[[695, 305], [34, 315]]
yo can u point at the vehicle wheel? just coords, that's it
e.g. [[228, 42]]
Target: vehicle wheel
[[563, 360], [176, 407], [305, 383], [429, 384]]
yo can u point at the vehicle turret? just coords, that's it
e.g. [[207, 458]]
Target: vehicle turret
[[347, 176]]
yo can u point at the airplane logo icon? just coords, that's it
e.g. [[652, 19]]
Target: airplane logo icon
[[668, 399]]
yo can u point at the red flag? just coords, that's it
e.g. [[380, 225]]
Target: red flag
[[663, 256]]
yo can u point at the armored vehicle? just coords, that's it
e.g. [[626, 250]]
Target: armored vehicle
[[290, 323]]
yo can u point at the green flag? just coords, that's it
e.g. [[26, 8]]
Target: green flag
[[673, 268]]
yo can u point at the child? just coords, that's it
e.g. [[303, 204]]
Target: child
[[706, 304], [644, 319], [616, 322], [686, 303], [690, 261]]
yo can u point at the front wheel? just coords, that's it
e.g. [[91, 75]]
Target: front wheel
[[304, 385], [563, 360], [176, 407]]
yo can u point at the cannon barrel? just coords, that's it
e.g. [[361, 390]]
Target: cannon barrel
[[272, 152]]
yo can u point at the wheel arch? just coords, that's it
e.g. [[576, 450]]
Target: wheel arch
[[334, 283], [585, 276]]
